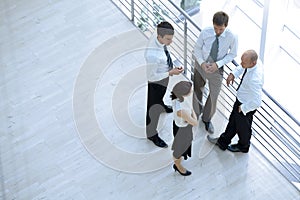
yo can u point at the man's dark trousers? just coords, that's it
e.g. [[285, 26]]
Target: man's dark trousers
[[155, 105]]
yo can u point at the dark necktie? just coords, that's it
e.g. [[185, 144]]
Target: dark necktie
[[169, 59], [241, 79], [213, 55]]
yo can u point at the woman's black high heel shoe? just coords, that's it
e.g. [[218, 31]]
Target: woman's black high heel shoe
[[187, 173]]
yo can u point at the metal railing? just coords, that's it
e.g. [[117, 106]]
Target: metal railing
[[275, 130]]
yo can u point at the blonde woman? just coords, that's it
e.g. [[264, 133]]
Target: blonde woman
[[184, 119]]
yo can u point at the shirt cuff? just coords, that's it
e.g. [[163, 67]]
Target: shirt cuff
[[200, 61], [220, 63]]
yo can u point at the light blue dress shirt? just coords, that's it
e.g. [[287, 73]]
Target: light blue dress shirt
[[228, 44]]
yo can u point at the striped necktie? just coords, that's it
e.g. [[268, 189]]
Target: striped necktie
[[169, 59]]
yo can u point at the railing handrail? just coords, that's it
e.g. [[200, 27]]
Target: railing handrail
[[185, 14], [281, 107]]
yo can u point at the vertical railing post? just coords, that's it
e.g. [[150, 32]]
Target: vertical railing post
[[132, 10], [264, 30], [185, 46]]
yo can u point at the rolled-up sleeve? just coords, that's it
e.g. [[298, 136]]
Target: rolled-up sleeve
[[237, 71], [198, 49], [232, 53]]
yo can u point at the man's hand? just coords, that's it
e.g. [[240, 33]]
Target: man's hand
[[209, 67], [229, 79], [176, 71]]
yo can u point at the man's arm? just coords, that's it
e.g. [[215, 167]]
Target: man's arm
[[236, 72], [198, 50], [233, 47], [175, 71], [190, 119]]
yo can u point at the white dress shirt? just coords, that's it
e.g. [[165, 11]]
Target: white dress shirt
[[228, 44], [250, 91], [177, 106], [157, 65]]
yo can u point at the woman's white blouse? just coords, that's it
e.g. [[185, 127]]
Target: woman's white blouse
[[177, 106]]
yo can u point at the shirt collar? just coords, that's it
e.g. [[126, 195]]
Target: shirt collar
[[158, 43], [223, 35], [252, 68]]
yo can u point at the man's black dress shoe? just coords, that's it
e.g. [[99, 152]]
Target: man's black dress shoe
[[168, 109], [237, 148], [209, 127], [158, 141], [187, 173], [215, 141]]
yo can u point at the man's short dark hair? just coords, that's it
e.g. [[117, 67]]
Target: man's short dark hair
[[220, 18], [165, 28]]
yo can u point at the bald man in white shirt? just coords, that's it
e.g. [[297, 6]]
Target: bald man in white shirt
[[249, 98]]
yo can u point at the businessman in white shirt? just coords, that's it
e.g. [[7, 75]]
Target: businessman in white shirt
[[249, 98], [159, 69]]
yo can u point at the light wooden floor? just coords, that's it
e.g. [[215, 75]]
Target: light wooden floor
[[72, 88]]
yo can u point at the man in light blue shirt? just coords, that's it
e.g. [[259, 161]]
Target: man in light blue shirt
[[249, 98], [215, 47]]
